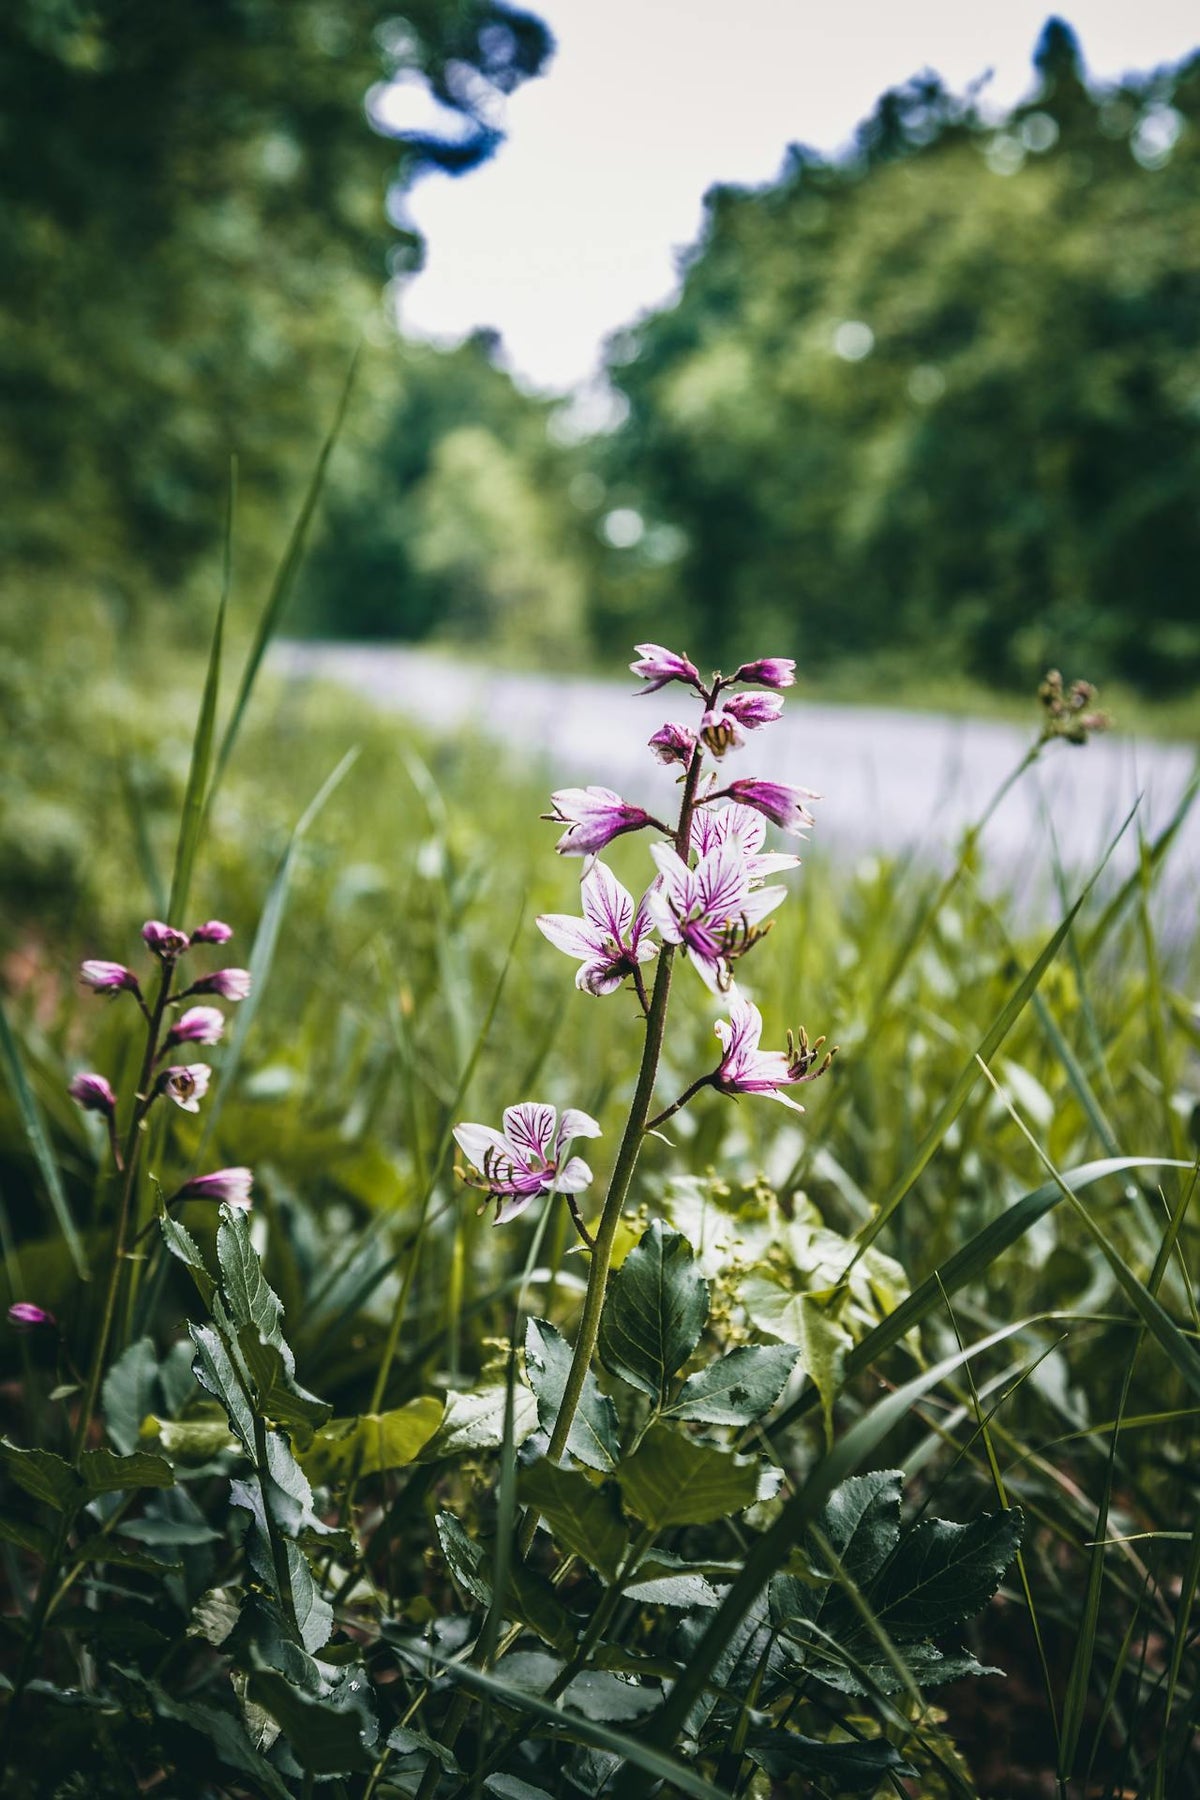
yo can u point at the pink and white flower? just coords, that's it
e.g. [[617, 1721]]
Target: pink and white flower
[[656, 666], [716, 825], [198, 1025], [230, 984], [673, 743], [108, 977], [93, 1093], [227, 1187], [611, 938], [711, 910], [593, 816], [524, 1161], [186, 1084], [745, 1069], [776, 800], [213, 931], [768, 671]]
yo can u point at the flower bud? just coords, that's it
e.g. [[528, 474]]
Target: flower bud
[[769, 671], [776, 800], [214, 931], [230, 984], [93, 1093], [673, 744], [23, 1315], [227, 1187], [593, 817], [656, 666], [108, 977], [186, 1085], [164, 940], [198, 1025]]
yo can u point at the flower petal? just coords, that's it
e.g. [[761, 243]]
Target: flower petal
[[573, 1177], [475, 1141], [607, 905], [567, 933], [574, 1124], [529, 1128]]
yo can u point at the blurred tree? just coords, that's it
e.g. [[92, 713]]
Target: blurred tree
[[942, 398], [194, 230]]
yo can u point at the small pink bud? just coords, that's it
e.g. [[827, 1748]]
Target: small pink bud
[[93, 1093], [198, 1025], [230, 984], [228, 1187], [214, 931], [108, 977], [164, 940], [23, 1315], [769, 671], [673, 744], [754, 710], [776, 800], [186, 1085]]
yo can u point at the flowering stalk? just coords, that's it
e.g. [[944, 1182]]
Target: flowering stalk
[[622, 1175]]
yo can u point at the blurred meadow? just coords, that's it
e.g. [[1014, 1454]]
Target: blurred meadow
[[924, 417]]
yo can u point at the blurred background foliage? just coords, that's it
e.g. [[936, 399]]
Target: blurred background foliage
[[939, 397]]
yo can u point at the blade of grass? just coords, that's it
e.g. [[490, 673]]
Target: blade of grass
[[768, 1553], [1170, 1339], [285, 575], [1129, 887], [39, 1141], [966, 1265], [266, 938], [196, 796], [990, 1043]]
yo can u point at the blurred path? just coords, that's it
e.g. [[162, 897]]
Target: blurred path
[[891, 781]]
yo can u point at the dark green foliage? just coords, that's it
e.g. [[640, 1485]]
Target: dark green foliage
[[655, 1311], [936, 400]]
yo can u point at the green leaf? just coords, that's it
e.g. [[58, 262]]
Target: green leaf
[[219, 1730], [325, 1738], [128, 1394], [865, 1672], [862, 1763], [38, 1140], [466, 1559], [530, 1598], [217, 1375], [346, 1449], [511, 1787], [861, 1521], [278, 1395], [669, 1480], [193, 1440], [183, 1246], [104, 1473], [585, 1519], [738, 1388], [249, 1295], [655, 1311], [46, 1476], [25, 1536], [475, 1421], [942, 1573], [595, 1432]]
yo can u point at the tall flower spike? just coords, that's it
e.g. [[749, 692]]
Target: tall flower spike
[[656, 666], [745, 1069], [593, 816], [768, 671], [776, 800], [711, 910], [516, 1166], [610, 940], [164, 940], [186, 1085], [108, 977]]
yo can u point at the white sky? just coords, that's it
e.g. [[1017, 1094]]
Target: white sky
[[572, 229]]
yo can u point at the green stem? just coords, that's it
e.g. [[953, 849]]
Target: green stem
[[141, 1105], [689, 1093]]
